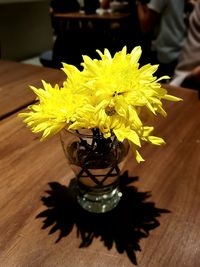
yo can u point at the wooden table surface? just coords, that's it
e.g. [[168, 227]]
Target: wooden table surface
[[82, 16], [157, 223], [15, 79]]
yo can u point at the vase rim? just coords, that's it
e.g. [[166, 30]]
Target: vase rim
[[86, 135]]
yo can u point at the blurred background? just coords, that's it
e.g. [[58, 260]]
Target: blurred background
[[30, 32], [48, 32]]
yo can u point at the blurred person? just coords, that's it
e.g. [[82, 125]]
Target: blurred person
[[63, 6], [189, 6], [164, 19], [187, 72], [105, 4]]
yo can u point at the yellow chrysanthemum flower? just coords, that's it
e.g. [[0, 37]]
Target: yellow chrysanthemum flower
[[110, 93], [55, 110]]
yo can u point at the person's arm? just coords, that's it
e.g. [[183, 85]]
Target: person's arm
[[195, 74], [192, 2], [147, 17]]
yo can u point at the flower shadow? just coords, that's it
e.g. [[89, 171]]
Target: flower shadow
[[124, 226]]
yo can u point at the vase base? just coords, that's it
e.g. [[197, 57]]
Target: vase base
[[100, 203]]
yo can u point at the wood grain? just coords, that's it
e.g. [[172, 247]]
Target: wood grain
[[93, 17], [15, 79], [171, 174]]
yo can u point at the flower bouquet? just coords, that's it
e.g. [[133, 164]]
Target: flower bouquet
[[108, 99]]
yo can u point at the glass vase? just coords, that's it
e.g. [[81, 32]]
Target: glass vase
[[97, 163]]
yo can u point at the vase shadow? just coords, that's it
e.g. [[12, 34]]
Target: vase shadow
[[124, 226]]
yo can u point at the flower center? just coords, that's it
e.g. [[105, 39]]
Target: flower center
[[110, 110], [117, 93]]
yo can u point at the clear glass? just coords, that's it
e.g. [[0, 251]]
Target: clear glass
[[96, 162]]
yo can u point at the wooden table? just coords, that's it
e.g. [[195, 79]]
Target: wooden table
[[105, 20], [15, 79], [156, 225], [80, 33], [110, 16]]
